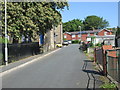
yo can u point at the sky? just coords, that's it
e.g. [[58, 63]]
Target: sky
[[80, 10]]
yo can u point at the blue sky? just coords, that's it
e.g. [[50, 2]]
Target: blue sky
[[80, 10]]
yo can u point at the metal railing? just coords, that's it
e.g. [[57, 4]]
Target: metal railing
[[19, 51]]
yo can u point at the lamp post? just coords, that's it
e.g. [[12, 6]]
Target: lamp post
[[6, 36], [80, 31]]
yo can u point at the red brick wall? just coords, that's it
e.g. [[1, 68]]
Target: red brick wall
[[84, 37], [92, 34], [112, 53], [69, 37], [77, 37], [101, 33]]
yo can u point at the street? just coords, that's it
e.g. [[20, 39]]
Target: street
[[62, 69]]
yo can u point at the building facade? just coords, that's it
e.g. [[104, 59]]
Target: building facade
[[84, 34], [53, 37]]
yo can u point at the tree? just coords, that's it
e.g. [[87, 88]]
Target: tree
[[94, 22], [72, 25], [29, 18]]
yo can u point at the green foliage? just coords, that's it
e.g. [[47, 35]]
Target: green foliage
[[98, 44], [108, 85], [64, 39], [75, 41], [30, 18], [2, 40], [90, 23], [94, 22], [118, 31], [91, 44], [72, 25], [114, 30]]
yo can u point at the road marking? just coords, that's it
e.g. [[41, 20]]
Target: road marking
[[22, 65]]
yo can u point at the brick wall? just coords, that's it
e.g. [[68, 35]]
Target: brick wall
[[84, 37], [68, 36], [101, 33]]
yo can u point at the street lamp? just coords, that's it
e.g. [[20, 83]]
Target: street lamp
[[80, 31], [6, 36]]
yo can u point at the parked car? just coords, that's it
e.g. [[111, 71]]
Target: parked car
[[69, 41], [65, 43], [59, 45]]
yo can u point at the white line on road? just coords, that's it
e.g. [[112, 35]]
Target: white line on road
[[22, 65]]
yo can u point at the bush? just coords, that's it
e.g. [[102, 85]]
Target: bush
[[98, 44], [75, 41], [91, 44]]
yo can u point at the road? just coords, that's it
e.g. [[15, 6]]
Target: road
[[62, 69]]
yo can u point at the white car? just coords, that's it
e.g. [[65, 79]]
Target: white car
[[70, 42], [65, 43]]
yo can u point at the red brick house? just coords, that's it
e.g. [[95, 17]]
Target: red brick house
[[84, 34]]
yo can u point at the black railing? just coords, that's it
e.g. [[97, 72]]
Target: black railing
[[19, 51]]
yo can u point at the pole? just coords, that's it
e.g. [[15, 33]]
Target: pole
[[80, 31], [6, 49]]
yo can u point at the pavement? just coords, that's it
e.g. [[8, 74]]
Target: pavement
[[63, 68]]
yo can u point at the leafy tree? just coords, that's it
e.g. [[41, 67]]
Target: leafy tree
[[72, 25], [90, 23], [94, 22], [114, 29], [30, 18]]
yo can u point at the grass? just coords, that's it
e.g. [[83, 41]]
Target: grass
[[108, 85], [88, 55]]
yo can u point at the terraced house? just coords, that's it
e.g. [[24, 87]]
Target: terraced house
[[84, 34]]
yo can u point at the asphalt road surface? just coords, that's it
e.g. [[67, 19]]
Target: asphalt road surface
[[62, 69]]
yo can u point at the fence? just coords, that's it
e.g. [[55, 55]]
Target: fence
[[110, 62], [113, 64], [99, 55], [19, 51]]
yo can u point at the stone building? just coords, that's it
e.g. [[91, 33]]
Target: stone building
[[53, 37]]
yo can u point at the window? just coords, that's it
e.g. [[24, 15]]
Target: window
[[88, 34], [105, 33], [65, 36], [79, 35], [95, 34], [73, 36]]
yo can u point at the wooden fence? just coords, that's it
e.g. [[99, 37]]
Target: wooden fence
[[110, 61]]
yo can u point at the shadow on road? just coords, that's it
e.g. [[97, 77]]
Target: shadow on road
[[91, 74]]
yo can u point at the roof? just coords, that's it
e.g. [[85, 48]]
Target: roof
[[85, 32], [112, 53], [106, 47], [106, 30], [107, 36], [94, 31]]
